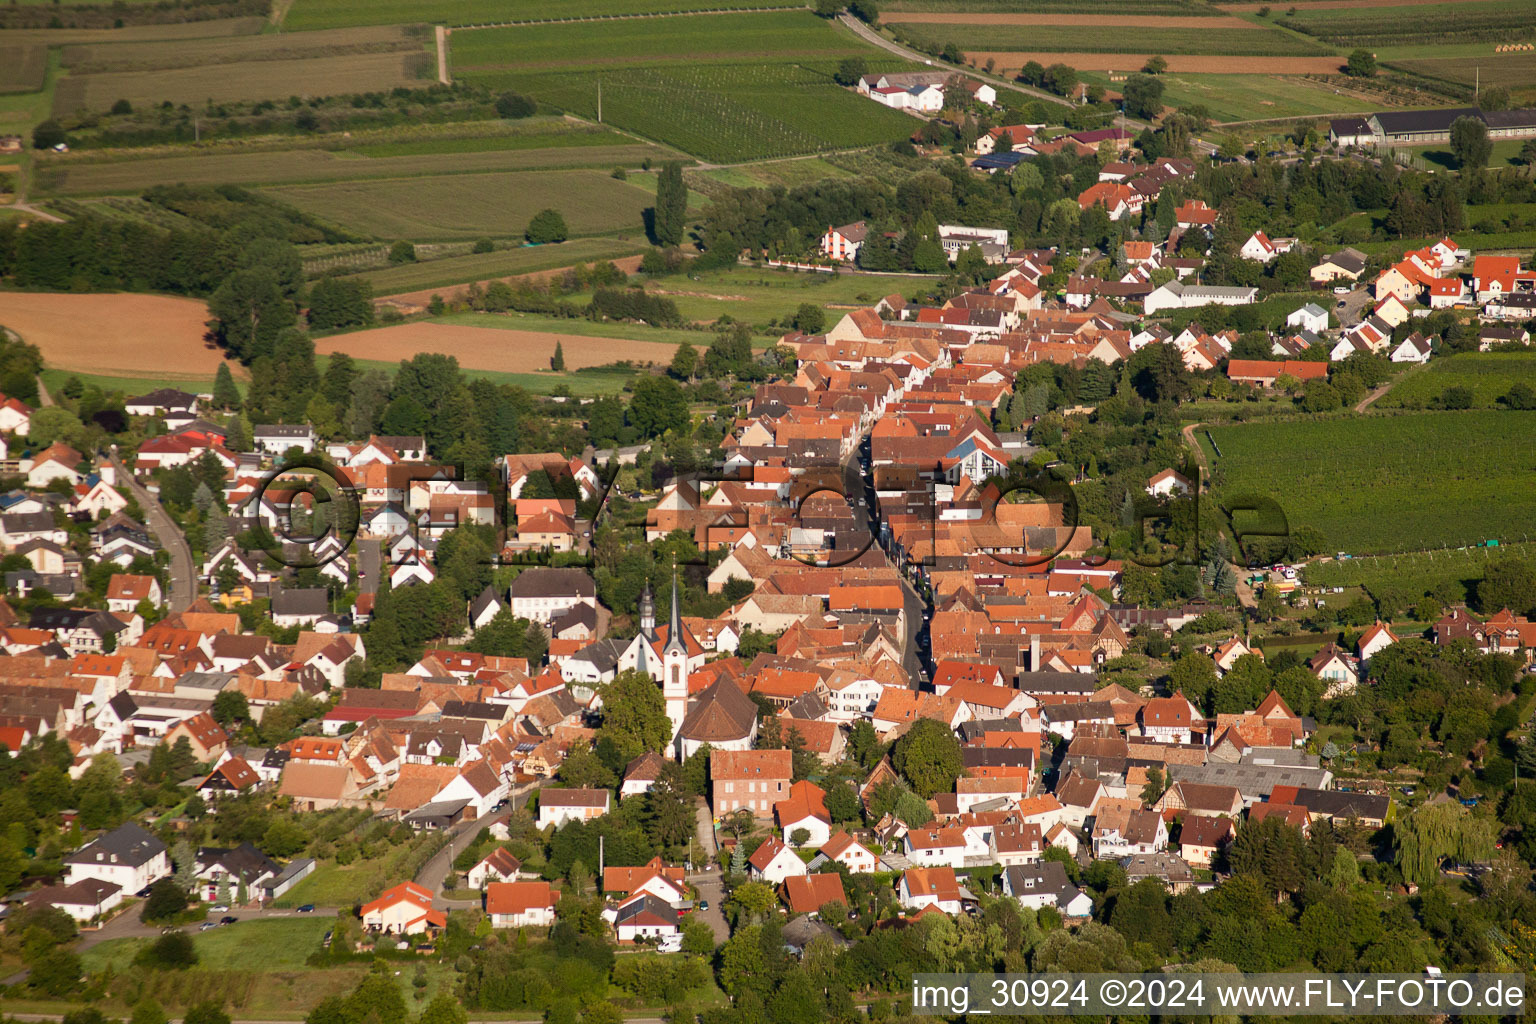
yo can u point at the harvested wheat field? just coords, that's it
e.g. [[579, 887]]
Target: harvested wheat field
[[116, 334], [1193, 23], [490, 348], [1011, 60]]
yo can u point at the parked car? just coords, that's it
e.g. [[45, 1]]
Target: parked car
[[308, 908], [227, 919], [206, 925], [220, 909]]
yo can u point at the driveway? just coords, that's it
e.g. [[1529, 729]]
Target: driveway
[[160, 523], [708, 879]]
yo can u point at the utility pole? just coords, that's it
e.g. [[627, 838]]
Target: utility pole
[[599, 101]]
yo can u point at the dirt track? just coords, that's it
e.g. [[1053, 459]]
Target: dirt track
[[122, 335], [1012, 60], [1079, 20], [488, 348]]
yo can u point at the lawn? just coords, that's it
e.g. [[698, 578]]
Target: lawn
[[1378, 484], [1489, 374], [283, 944], [313, 14], [455, 270], [1252, 97], [471, 205], [727, 88], [1110, 38], [82, 175], [758, 296]]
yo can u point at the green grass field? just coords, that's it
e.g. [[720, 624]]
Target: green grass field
[[727, 88], [456, 270], [1251, 97], [157, 55], [53, 380], [284, 944], [80, 174], [471, 205], [1517, 71], [587, 328], [1379, 484], [588, 383], [1416, 573], [313, 14], [1109, 38], [483, 144], [234, 82], [1449, 22], [22, 67], [1489, 374], [758, 296]]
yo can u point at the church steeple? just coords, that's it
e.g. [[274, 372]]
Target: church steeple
[[675, 625], [647, 613]]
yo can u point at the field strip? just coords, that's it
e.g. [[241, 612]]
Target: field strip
[[1340, 5], [1012, 60], [422, 296], [113, 334], [1193, 21], [490, 348], [623, 17]]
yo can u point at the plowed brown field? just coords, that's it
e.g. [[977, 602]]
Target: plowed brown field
[[116, 334], [489, 348]]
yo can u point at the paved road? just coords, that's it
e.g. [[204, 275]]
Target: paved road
[[370, 562], [857, 484], [709, 880], [183, 580]]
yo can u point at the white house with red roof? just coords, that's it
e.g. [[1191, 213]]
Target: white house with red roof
[[804, 808], [521, 904], [774, 861], [15, 416], [405, 909], [857, 858], [1260, 248], [1378, 637], [921, 888], [1169, 719], [843, 243]]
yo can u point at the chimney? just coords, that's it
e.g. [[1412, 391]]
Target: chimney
[[1034, 652]]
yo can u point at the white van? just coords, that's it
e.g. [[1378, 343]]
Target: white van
[[670, 944]]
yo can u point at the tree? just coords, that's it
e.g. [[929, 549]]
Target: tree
[[173, 951], [850, 71], [1470, 144], [1154, 787], [546, 226], [671, 205], [634, 715], [1143, 96], [1362, 64], [402, 252], [225, 394], [828, 8], [230, 707], [513, 105], [810, 318], [928, 757], [1155, 65], [1438, 830], [251, 311], [685, 361], [557, 361], [166, 900], [657, 405], [1528, 153], [147, 1011], [1510, 583], [205, 1013], [1194, 675], [443, 1009], [56, 973]]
